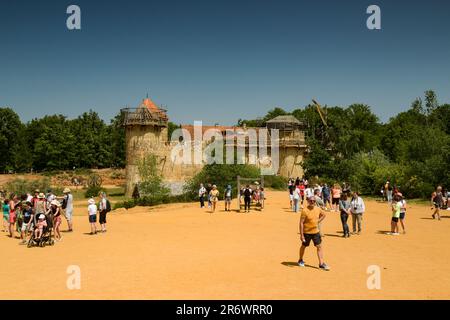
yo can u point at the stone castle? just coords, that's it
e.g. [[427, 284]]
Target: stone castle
[[147, 133]]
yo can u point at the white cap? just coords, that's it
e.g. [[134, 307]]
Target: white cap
[[41, 217]]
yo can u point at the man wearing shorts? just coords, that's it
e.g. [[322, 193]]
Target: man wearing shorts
[[27, 221], [310, 218], [228, 198]]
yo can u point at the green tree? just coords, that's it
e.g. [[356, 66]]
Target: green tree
[[10, 138]]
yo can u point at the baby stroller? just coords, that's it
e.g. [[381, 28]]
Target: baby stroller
[[46, 238]]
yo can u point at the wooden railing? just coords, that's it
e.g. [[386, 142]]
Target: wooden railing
[[142, 116]]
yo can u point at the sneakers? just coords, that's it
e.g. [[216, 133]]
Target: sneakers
[[301, 263], [324, 267]]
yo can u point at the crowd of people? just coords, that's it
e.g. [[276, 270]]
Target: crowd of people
[[30, 216], [211, 194], [320, 199]]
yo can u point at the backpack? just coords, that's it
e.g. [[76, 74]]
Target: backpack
[[247, 192], [108, 206], [64, 202]]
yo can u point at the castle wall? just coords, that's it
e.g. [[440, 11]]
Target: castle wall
[[144, 140], [290, 162]]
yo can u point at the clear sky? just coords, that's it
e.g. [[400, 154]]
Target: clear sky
[[220, 60]]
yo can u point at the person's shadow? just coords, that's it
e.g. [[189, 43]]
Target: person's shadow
[[295, 264]]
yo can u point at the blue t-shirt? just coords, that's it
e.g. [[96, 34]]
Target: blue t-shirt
[[27, 215], [326, 192]]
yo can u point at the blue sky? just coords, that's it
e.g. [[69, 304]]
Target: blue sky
[[218, 61]]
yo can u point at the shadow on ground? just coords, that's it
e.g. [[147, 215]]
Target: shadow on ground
[[295, 264]]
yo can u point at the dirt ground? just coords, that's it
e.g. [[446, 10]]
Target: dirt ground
[[182, 252]]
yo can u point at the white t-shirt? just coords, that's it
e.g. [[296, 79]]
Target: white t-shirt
[[69, 206], [92, 208], [309, 192], [102, 204], [296, 193], [403, 208]]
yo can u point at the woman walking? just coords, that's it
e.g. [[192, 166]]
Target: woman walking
[[103, 208], [336, 193], [40, 205], [5, 208], [12, 214], [344, 207], [296, 200], [214, 197], [402, 211], [55, 212]]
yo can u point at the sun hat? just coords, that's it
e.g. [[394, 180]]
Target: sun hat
[[41, 196], [66, 190], [41, 217], [91, 201], [36, 191], [55, 202]]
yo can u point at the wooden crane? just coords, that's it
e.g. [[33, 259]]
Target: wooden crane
[[323, 117], [321, 113]]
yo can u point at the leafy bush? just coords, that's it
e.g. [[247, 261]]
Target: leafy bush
[[23, 186], [93, 191], [220, 175], [151, 181], [275, 182], [150, 201], [117, 174]]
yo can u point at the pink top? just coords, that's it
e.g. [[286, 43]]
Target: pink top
[[336, 192]]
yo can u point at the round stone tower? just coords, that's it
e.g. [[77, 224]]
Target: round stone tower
[[146, 133]]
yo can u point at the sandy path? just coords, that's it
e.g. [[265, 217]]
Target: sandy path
[[181, 252]]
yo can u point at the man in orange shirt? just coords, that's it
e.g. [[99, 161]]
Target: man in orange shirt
[[310, 218]]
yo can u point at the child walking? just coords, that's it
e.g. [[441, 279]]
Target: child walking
[[92, 211], [396, 207]]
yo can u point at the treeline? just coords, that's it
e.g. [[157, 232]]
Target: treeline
[[353, 145], [57, 143]]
